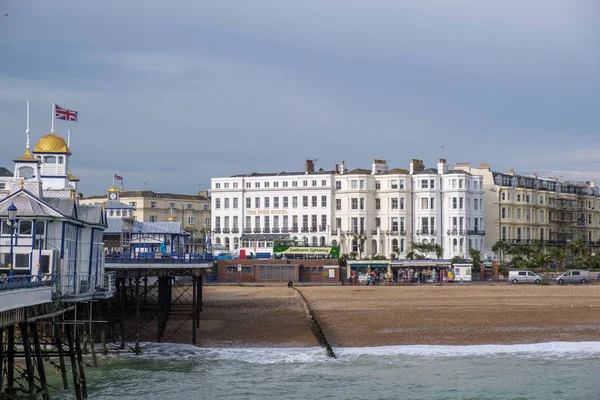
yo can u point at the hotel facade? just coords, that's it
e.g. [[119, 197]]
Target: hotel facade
[[375, 211]]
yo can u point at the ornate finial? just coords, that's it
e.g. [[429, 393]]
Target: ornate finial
[[22, 183]]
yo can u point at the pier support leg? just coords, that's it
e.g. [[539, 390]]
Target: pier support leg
[[137, 316], [80, 364], [74, 369], [24, 328], [103, 340], [39, 360], [200, 297], [10, 370], [61, 358], [1, 360], [194, 309]]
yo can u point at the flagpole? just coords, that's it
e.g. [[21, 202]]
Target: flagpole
[[69, 139], [53, 114], [27, 129], [113, 179]]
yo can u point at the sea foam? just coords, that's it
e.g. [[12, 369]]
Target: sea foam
[[550, 350]]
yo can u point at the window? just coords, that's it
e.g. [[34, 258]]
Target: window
[[454, 203], [314, 182], [235, 202], [453, 183], [131, 203], [402, 203], [40, 228], [235, 185], [152, 218], [217, 186], [217, 203], [25, 227], [518, 213], [394, 184], [226, 224], [256, 184], [338, 223], [460, 183], [257, 222], [323, 201], [267, 201], [377, 185], [285, 184], [275, 184], [226, 203], [432, 184], [432, 203], [518, 197], [207, 221], [424, 203], [285, 202], [362, 184], [275, 202], [504, 212], [354, 204], [266, 184], [395, 224], [248, 222], [362, 203], [475, 204], [257, 202], [294, 183], [248, 185], [401, 183], [394, 204], [189, 206], [295, 202], [503, 196], [354, 184], [424, 184], [171, 205], [226, 185], [191, 221], [378, 204], [304, 183], [338, 185], [323, 182], [338, 204], [461, 203], [314, 201], [248, 202], [153, 204], [475, 184], [402, 224], [304, 201]]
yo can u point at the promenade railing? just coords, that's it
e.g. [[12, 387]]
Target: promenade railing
[[159, 258]]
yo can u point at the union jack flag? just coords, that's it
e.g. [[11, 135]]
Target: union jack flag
[[64, 114]]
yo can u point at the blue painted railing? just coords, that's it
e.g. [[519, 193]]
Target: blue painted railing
[[14, 282], [160, 258]]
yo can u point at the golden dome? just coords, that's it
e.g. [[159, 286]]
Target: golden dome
[[27, 156], [171, 218], [113, 189], [52, 143]]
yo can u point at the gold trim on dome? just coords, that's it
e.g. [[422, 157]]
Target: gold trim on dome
[[27, 156], [171, 218], [52, 143], [70, 177], [113, 189]]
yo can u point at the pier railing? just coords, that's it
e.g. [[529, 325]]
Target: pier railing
[[73, 286], [16, 282], [159, 258]]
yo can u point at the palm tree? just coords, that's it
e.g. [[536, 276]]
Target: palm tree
[[475, 257], [439, 251], [557, 255], [501, 248], [360, 242], [540, 260]]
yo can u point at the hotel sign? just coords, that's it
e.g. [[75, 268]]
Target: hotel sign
[[265, 212]]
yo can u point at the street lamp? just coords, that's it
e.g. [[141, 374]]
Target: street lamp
[[12, 215]]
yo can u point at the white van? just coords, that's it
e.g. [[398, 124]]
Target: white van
[[573, 276], [524, 277]]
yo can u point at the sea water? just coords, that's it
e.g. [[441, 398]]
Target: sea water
[[545, 371]]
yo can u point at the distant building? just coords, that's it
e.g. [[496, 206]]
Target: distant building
[[190, 212]]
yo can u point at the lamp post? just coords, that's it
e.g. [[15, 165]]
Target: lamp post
[[12, 217]]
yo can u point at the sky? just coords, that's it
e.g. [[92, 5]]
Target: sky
[[173, 93]]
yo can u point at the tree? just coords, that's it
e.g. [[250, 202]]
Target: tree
[[360, 242], [501, 248], [439, 251], [540, 260], [557, 255], [419, 251], [475, 257]]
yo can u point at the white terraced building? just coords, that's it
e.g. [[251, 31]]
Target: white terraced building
[[372, 211]]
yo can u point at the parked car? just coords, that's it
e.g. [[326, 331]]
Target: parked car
[[573, 276], [524, 277]]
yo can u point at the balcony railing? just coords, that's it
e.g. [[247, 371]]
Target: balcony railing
[[256, 230], [86, 285], [275, 230], [266, 230], [285, 230], [247, 230], [313, 228], [235, 230], [373, 231], [304, 229], [226, 230], [403, 233], [322, 228], [294, 229], [217, 230]]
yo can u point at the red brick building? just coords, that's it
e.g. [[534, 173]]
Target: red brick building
[[300, 270]]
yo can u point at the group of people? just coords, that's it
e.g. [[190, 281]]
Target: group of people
[[412, 275]]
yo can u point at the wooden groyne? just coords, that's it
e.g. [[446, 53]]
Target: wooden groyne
[[315, 326]]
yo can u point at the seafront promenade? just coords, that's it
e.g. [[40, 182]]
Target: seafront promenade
[[357, 316]]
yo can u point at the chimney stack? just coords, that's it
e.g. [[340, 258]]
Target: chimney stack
[[511, 172], [379, 166], [484, 166], [309, 167], [342, 167], [337, 169], [416, 166], [442, 167]]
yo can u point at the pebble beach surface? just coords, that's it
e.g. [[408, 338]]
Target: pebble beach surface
[[365, 316]]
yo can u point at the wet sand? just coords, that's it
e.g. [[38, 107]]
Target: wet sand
[[250, 316]]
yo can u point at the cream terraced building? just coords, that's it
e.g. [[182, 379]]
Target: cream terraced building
[[522, 208]]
